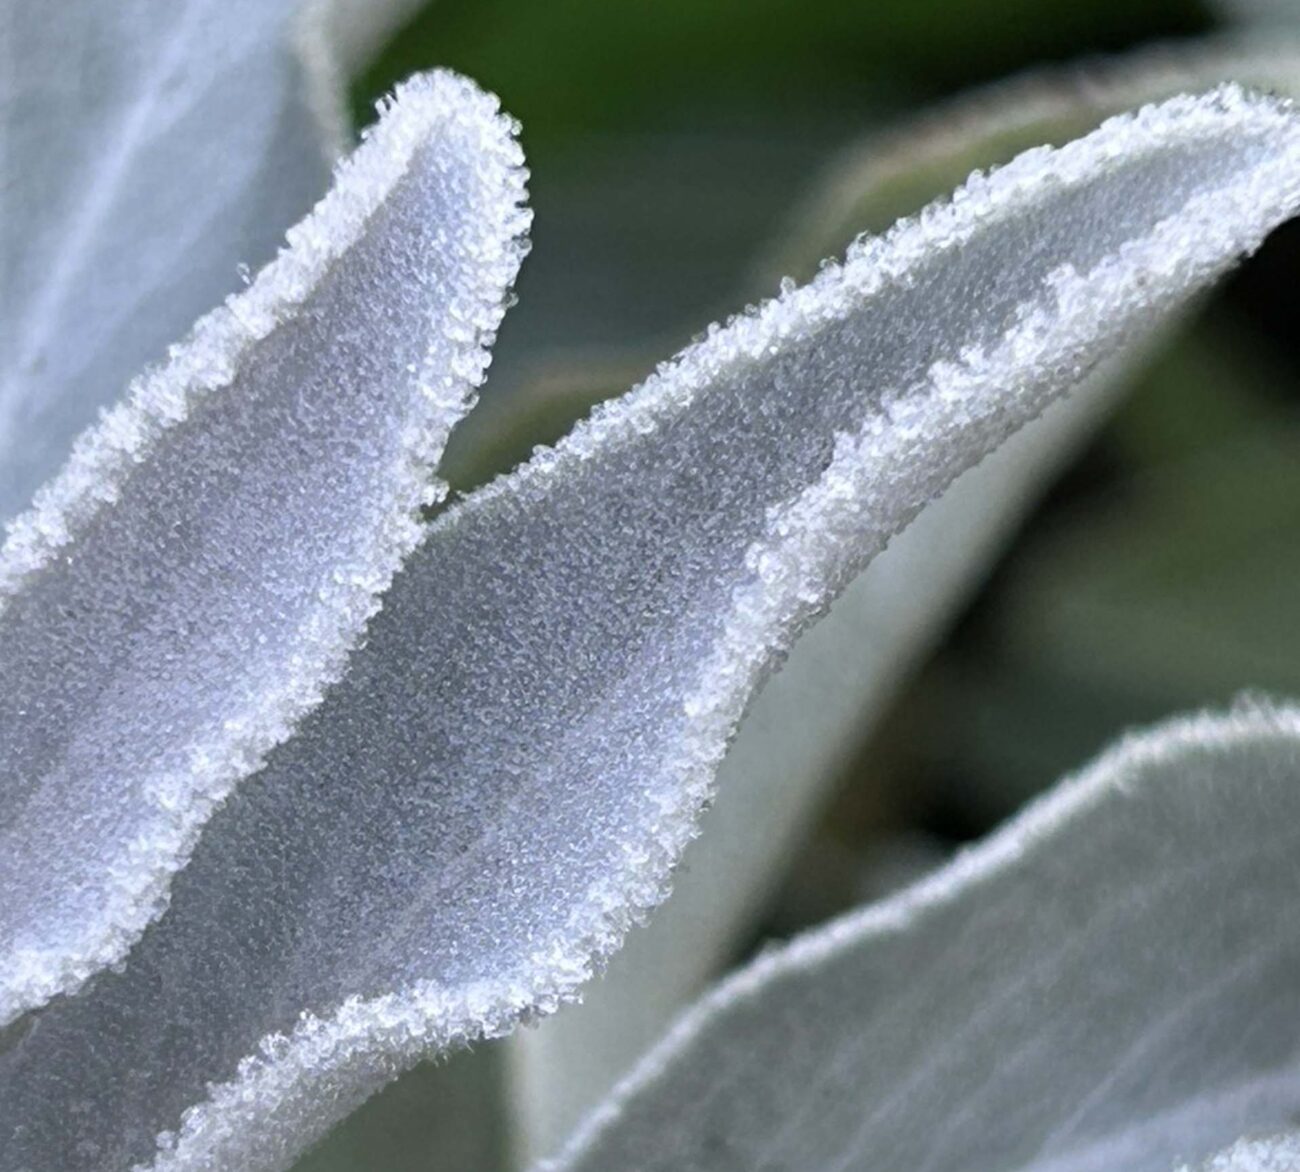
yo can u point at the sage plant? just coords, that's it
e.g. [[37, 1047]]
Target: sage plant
[[309, 773]]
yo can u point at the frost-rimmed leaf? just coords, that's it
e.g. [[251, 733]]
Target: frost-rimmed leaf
[[792, 744], [185, 589], [142, 164], [1108, 982], [503, 779], [795, 740]]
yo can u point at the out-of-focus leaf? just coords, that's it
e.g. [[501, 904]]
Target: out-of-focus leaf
[[826, 701], [354, 31], [1279, 14], [447, 1116], [1181, 588], [502, 781], [185, 590], [891, 175], [1109, 982], [794, 742], [147, 150], [1173, 587]]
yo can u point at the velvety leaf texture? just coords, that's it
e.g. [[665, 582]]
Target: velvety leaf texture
[[502, 780], [1109, 982], [184, 590], [791, 746], [146, 150], [841, 677]]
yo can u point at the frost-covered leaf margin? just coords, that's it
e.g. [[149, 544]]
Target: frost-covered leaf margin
[[961, 409], [794, 741], [47, 958]]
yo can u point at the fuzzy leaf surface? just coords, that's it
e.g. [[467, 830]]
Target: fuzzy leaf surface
[[824, 703], [188, 585], [502, 781], [1108, 982], [146, 151]]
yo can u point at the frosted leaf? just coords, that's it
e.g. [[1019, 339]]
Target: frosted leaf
[[840, 678], [1108, 982], [1278, 1153], [504, 777], [792, 744], [146, 150], [183, 591]]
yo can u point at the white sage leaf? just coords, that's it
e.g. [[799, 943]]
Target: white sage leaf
[[794, 741], [504, 777], [1277, 1153], [146, 151], [824, 703], [196, 575], [1109, 982]]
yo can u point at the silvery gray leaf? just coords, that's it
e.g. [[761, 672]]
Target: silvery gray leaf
[[188, 585], [842, 675], [1108, 982], [148, 151], [501, 782], [793, 743]]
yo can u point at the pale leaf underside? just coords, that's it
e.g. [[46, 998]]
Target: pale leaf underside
[[1109, 982], [505, 775], [196, 575]]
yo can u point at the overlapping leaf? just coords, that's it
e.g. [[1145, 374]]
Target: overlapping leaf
[[1110, 982], [503, 778], [196, 575], [147, 151], [840, 678]]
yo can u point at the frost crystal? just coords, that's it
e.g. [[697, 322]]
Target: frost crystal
[[197, 574], [1108, 982]]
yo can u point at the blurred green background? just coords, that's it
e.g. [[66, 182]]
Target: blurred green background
[[674, 146]]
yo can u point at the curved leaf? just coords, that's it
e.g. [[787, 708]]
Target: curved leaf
[[1109, 982], [189, 584], [146, 151], [801, 731], [503, 779], [824, 703]]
